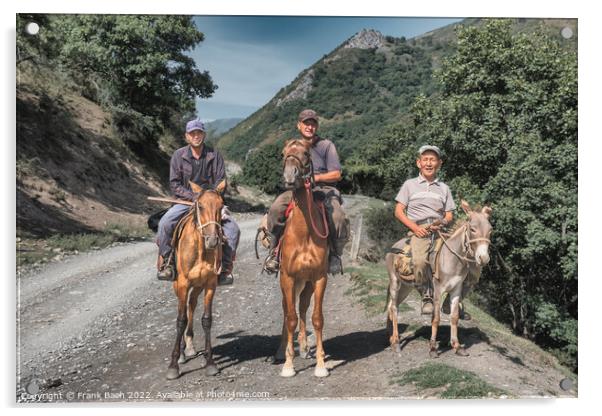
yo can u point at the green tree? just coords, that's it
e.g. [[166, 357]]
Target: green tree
[[263, 168], [139, 60], [505, 116]]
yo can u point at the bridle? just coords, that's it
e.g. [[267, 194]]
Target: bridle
[[217, 266], [306, 167], [469, 257], [308, 182]]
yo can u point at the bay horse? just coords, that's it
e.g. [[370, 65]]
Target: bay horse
[[198, 264], [458, 269], [304, 259]]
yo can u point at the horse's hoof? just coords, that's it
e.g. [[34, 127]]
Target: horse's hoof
[[321, 372], [433, 354], [182, 359], [189, 353], [305, 354], [396, 348], [462, 352], [211, 370], [287, 372], [173, 373]]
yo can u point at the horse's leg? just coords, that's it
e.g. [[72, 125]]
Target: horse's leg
[[435, 319], [288, 293], [190, 351], [317, 320], [304, 300], [210, 368], [181, 289], [280, 354], [455, 317]]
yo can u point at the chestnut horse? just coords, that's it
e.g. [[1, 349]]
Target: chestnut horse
[[458, 264], [304, 259], [198, 264]]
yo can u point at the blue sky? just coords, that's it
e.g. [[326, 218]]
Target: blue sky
[[251, 57]]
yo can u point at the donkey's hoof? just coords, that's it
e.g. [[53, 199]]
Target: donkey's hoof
[[287, 372], [434, 354], [211, 370], [321, 372], [173, 373], [462, 352]]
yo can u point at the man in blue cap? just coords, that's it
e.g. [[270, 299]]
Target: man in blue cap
[[205, 167]]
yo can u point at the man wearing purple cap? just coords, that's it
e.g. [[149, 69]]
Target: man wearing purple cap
[[204, 166], [326, 172]]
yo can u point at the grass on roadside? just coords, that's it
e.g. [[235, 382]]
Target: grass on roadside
[[31, 251], [369, 285], [450, 382]]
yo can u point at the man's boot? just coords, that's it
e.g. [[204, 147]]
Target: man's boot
[[335, 264], [165, 269], [427, 305], [225, 277], [271, 264]]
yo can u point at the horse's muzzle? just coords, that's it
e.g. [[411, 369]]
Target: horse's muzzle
[[211, 241], [482, 255]]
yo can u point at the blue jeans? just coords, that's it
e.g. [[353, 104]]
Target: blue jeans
[[168, 223]]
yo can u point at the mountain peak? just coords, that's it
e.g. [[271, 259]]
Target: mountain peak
[[366, 39]]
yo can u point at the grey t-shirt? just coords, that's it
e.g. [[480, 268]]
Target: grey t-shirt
[[425, 200], [324, 156]]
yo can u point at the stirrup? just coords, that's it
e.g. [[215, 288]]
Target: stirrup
[[271, 265], [166, 273]]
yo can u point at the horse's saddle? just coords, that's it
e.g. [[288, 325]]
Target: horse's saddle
[[403, 259]]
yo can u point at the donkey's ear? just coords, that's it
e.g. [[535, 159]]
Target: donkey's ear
[[466, 207], [195, 188], [221, 187], [487, 211]]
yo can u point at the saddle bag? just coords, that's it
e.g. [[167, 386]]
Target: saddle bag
[[403, 260], [153, 220]]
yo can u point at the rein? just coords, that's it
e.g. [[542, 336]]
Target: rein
[[308, 182], [217, 263], [468, 242], [320, 207]]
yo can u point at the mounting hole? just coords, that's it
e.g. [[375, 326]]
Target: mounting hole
[[32, 28], [566, 33]]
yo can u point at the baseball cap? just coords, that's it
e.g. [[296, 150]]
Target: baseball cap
[[195, 124], [308, 114], [427, 147]]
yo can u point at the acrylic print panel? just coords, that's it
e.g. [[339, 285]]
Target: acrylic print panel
[[102, 104]]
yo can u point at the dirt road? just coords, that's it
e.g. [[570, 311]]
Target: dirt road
[[99, 327]]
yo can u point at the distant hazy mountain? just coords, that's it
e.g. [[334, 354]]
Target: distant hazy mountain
[[216, 128]]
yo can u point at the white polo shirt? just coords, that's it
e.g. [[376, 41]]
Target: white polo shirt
[[425, 200]]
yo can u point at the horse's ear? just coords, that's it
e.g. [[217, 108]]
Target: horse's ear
[[195, 188], [466, 207], [221, 187], [487, 211]]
